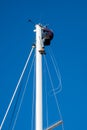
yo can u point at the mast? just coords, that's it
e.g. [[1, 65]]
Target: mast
[[39, 123], [43, 38]]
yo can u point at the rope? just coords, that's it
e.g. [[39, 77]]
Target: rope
[[15, 106], [46, 100], [46, 106], [22, 96], [17, 86], [53, 89], [59, 88], [32, 128]]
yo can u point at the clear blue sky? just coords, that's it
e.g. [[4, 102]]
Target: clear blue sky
[[68, 20]]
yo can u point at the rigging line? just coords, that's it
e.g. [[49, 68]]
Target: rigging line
[[15, 106], [59, 88], [33, 99], [17, 86], [53, 89], [46, 101], [58, 74], [55, 62], [23, 95]]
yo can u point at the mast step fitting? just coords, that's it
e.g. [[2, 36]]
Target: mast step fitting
[[42, 51]]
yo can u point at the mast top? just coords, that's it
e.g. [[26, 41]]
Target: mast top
[[45, 38]]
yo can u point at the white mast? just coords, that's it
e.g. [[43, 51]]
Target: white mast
[[39, 124], [40, 43]]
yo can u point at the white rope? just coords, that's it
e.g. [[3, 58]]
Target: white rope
[[46, 106], [17, 86], [22, 96], [53, 89], [33, 112], [59, 88], [46, 100]]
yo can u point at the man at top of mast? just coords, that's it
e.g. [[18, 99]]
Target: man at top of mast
[[47, 36]]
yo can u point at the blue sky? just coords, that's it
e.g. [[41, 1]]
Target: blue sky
[[68, 20]]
